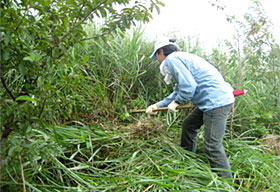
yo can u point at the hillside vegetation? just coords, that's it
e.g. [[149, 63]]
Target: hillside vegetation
[[66, 102]]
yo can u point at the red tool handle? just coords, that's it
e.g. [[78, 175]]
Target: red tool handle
[[239, 92]]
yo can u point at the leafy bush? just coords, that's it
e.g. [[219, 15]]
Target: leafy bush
[[38, 40]]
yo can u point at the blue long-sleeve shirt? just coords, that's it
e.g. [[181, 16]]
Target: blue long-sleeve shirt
[[197, 81]]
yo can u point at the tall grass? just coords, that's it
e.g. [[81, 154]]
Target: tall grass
[[86, 140], [116, 68], [136, 157]]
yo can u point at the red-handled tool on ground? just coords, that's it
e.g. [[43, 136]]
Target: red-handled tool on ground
[[236, 93]]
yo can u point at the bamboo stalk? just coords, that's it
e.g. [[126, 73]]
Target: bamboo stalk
[[162, 109]]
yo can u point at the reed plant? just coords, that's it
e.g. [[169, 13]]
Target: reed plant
[[86, 139]]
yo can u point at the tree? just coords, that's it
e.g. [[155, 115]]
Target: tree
[[36, 37]]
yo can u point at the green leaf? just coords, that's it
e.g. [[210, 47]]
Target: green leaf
[[25, 98], [103, 12], [7, 37], [33, 57], [6, 55], [40, 82], [21, 68], [85, 58]]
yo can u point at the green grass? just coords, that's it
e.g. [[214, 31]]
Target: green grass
[[80, 137], [142, 156]]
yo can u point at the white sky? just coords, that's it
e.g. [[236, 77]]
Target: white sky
[[197, 18]]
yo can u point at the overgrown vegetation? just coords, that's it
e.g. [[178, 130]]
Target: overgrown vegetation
[[66, 97]]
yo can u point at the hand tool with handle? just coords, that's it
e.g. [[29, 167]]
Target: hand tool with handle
[[236, 93]]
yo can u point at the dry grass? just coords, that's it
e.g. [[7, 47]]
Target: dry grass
[[272, 142]]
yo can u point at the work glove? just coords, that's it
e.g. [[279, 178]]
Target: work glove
[[172, 106], [149, 110]]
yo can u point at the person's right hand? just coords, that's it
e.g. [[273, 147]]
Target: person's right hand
[[149, 110]]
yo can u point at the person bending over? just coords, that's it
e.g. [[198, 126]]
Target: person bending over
[[197, 81]]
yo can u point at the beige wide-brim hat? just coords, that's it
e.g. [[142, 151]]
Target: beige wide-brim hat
[[161, 43]]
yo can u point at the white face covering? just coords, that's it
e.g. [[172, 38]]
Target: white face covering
[[165, 72]]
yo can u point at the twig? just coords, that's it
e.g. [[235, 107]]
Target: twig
[[44, 102], [272, 124], [241, 65], [22, 173], [82, 20], [147, 189], [4, 83], [27, 8], [75, 26], [96, 36], [79, 13]]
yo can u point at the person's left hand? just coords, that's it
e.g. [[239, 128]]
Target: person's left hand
[[172, 106], [149, 110]]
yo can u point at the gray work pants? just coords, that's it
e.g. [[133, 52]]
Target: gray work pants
[[214, 129]]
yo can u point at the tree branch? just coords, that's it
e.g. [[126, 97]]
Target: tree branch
[[23, 16], [96, 36], [82, 20], [4, 83], [80, 12]]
